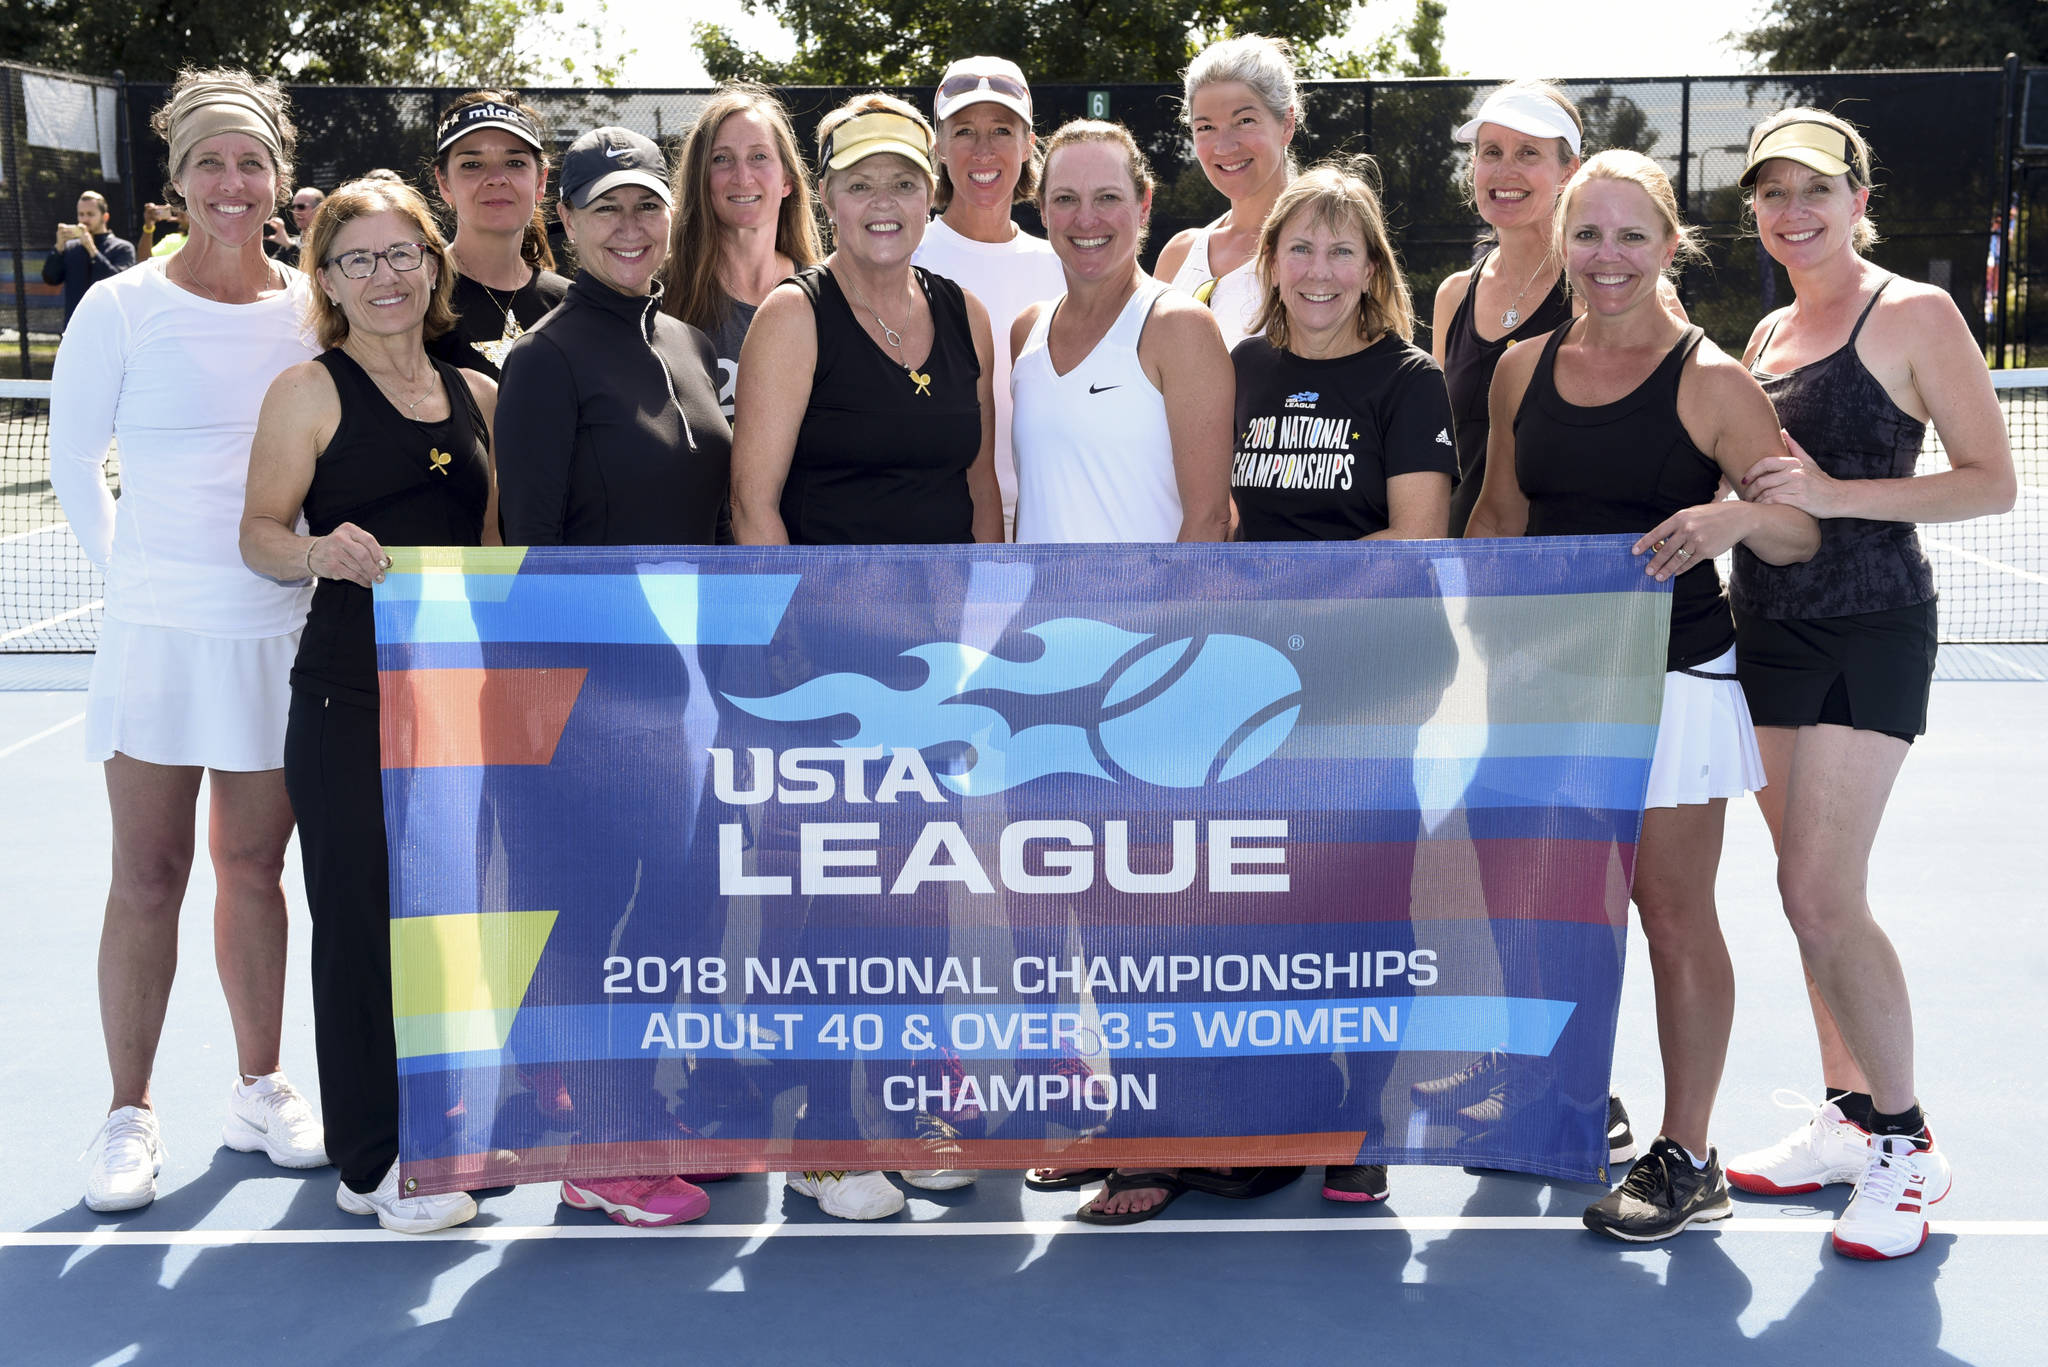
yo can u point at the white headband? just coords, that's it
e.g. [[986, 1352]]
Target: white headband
[[1525, 111]]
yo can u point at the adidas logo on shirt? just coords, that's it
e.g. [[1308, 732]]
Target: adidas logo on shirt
[[1443, 438]]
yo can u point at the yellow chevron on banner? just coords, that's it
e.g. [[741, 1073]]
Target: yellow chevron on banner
[[456, 559], [457, 981]]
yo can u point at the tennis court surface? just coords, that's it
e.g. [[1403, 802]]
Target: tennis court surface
[[239, 1260]]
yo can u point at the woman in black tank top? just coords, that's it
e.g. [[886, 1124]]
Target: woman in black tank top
[[1626, 421], [377, 445], [1838, 654], [1525, 146], [864, 414]]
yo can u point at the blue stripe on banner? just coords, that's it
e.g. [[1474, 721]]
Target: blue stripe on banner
[[678, 607], [1185, 1030], [1128, 573]]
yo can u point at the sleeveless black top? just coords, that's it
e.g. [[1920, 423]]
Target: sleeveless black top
[[407, 483], [1469, 362], [1624, 467], [877, 462], [1836, 409]]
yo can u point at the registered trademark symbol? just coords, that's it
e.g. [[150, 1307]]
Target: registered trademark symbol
[[1295, 643]]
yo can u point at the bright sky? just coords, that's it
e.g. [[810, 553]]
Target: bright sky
[[1483, 38]]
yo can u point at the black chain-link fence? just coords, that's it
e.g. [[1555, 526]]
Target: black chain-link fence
[[1948, 144]]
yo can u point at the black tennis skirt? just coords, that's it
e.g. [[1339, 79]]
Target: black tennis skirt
[[1871, 670]]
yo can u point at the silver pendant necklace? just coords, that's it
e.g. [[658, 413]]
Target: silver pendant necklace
[[1513, 315], [892, 337]]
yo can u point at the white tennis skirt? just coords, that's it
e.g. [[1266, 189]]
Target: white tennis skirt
[[1706, 746], [167, 696]]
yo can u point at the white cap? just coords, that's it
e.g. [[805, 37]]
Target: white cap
[[982, 80], [1525, 111]]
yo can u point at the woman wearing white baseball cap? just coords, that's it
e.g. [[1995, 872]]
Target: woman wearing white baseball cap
[[1525, 145], [987, 162]]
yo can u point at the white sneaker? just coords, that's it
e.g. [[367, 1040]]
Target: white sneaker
[[1887, 1218], [849, 1195], [123, 1177], [270, 1115], [406, 1214], [941, 1179], [1827, 1149], [941, 1141]]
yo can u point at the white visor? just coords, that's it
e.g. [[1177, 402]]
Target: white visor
[[1525, 111]]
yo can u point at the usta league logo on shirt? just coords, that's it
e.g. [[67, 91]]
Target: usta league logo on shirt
[[1305, 399]]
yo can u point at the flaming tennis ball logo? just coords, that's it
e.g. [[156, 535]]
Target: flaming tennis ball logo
[[1177, 711], [1198, 710]]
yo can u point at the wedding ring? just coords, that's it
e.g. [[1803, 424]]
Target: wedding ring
[[1684, 554]]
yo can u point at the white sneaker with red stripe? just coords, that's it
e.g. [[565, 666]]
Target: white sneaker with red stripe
[[1887, 1217], [1828, 1149]]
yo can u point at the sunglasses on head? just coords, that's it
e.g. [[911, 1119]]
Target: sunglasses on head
[[968, 82]]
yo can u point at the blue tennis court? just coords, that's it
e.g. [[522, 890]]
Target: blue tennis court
[[239, 1260]]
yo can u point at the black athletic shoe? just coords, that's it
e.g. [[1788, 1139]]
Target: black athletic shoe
[[1662, 1195], [1621, 1140], [1354, 1182], [1462, 1088]]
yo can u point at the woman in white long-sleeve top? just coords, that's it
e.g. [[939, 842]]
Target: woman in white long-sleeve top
[[191, 680]]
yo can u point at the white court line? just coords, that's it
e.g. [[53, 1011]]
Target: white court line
[[944, 1229], [52, 621], [1980, 559], [1987, 652], [36, 531], [43, 734]]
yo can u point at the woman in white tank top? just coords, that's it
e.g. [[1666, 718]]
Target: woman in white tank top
[[1241, 108], [1122, 389]]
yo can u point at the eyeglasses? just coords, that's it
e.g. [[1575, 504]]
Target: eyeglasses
[[969, 81], [403, 256]]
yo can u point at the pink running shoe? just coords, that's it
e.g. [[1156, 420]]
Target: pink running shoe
[[642, 1201]]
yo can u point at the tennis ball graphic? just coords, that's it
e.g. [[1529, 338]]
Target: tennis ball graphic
[[1198, 710]]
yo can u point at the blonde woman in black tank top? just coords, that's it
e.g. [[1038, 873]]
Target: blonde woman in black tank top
[[1656, 411], [1838, 656]]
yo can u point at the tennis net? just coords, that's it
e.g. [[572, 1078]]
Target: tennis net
[[1992, 572]]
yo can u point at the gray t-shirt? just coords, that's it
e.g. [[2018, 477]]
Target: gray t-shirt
[[726, 339]]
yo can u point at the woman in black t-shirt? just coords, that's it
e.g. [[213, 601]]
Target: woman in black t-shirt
[[864, 414], [1343, 432], [491, 165], [1343, 429]]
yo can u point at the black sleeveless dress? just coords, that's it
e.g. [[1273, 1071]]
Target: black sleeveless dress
[[882, 459], [1847, 638], [1469, 362], [1624, 467]]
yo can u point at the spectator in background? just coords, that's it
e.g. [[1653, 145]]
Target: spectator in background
[[147, 243], [280, 243], [306, 202], [86, 252]]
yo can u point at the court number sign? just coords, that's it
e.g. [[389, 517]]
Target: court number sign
[[1098, 104]]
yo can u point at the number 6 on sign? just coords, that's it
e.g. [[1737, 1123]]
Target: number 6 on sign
[[1098, 104]]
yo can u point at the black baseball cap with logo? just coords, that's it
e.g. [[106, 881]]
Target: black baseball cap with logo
[[606, 158], [462, 122]]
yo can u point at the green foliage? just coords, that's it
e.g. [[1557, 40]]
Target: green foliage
[[1844, 35], [1615, 121], [395, 42], [909, 42]]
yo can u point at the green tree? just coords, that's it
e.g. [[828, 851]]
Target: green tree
[[1615, 121], [1844, 35], [909, 42], [341, 41]]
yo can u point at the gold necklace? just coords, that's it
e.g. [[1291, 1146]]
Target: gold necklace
[[894, 339]]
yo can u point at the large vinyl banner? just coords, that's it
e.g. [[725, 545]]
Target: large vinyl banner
[[764, 859]]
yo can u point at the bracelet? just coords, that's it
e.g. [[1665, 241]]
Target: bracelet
[[311, 573]]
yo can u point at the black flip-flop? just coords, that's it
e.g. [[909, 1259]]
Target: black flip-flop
[[1119, 1182], [1240, 1184], [1073, 1181]]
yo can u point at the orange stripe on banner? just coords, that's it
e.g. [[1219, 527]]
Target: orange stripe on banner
[[508, 1166], [443, 718]]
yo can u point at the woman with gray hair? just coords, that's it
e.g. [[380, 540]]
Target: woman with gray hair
[[1242, 108], [191, 678]]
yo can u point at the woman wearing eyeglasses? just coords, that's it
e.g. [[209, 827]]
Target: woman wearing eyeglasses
[[374, 444]]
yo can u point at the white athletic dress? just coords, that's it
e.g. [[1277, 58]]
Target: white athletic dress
[[1094, 456], [1235, 301], [1007, 277], [196, 648]]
